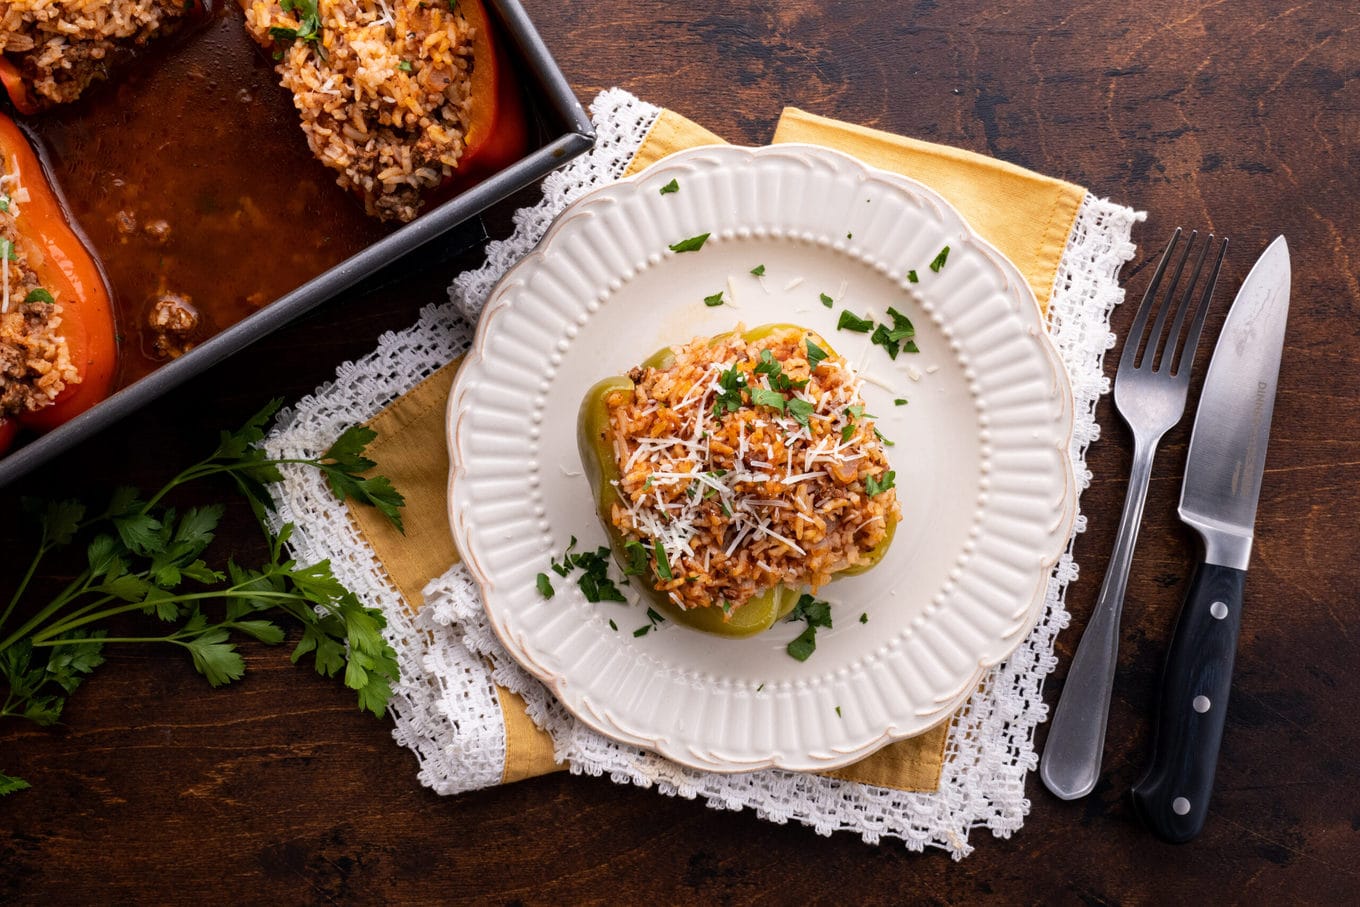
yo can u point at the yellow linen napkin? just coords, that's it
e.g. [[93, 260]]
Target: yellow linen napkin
[[1025, 215]]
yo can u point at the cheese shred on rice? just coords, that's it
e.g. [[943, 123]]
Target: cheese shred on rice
[[743, 492]]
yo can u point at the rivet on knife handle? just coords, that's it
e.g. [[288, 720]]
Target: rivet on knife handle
[[1173, 797]]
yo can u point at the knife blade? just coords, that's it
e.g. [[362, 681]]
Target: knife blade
[[1223, 472]]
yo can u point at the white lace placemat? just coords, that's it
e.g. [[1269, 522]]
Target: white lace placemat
[[446, 707]]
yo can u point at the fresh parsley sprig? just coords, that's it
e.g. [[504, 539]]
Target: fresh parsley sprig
[[143, 557]]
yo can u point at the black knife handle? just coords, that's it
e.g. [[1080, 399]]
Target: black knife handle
[[1173, 797]]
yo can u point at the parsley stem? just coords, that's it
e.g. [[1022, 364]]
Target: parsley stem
[[69, 624], [43, 548], [78, 587]]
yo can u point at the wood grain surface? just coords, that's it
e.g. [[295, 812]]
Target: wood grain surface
[[1240, 117]]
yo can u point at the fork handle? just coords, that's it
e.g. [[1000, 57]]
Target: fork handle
[[1070, 765]]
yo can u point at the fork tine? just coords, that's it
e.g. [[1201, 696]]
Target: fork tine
[[1134, 339], [1155, 343], [1197, 323], [1173, 337]]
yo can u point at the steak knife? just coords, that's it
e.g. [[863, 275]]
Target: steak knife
[[1222, 485]]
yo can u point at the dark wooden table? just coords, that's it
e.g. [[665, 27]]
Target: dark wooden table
[[1239, 117]]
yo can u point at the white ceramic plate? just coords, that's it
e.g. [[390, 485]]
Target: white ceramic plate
[[985, 482]]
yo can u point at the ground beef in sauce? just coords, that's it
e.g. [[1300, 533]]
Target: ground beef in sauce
[[173, 321]]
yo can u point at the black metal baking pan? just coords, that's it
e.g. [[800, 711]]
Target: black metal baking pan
[[570, 133]]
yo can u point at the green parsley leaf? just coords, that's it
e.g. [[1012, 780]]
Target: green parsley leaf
[[864, 618], [613, 626], [876, 485], [544, 584], [714, 301], [940, 260], [911, 277], [882, 337], [643, 630], [38, 294], [800, 410], [849, 321], [731, 383], [663, 566], [761, 687], [404, 66], [762, 397], [899, 402], [838, 711], [802, 647], [848, 432], [693, 244], [10, 784], [655, 617], [758, 270], [815, 355], [672, 186], [827, 300], [637, 558], [816, 612], [4, 203]]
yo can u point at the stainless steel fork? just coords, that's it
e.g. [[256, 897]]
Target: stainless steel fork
[[1149, 392]]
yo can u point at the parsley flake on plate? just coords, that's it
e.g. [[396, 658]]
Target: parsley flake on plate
[[672, 186], [693, 244], [876, 485], [758, 270], [849, 321], [827, 300], [544, 584], [815, 613], [715, 300], [940, 260]]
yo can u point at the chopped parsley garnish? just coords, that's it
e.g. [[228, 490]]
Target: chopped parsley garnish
[[545, 588], [886, 443], [309, 25], [898, 337], [864, 617], [851, 322], [772, 398], [827, 300], [643, 631], [838, 711], [637, 558], [693, 244], [800, 409], [874, 485], [613, 626], [404, 66], [655, 617], [758, 270], [848, 432], [899, 402], [731, 382], [663, 566], [849, 236], [672, 186], [815, 355], [912, 278], [816, 613], [38, 294], [761, 687], [4, 206], [771, 368], [940, 260], [714, 301], [594, 580]]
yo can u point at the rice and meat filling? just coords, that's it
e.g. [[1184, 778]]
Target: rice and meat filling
[[35, 360], [750, 464], [382, 86], [61, 46]]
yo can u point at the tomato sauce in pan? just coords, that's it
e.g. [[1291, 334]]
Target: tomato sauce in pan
[[191, 178]]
